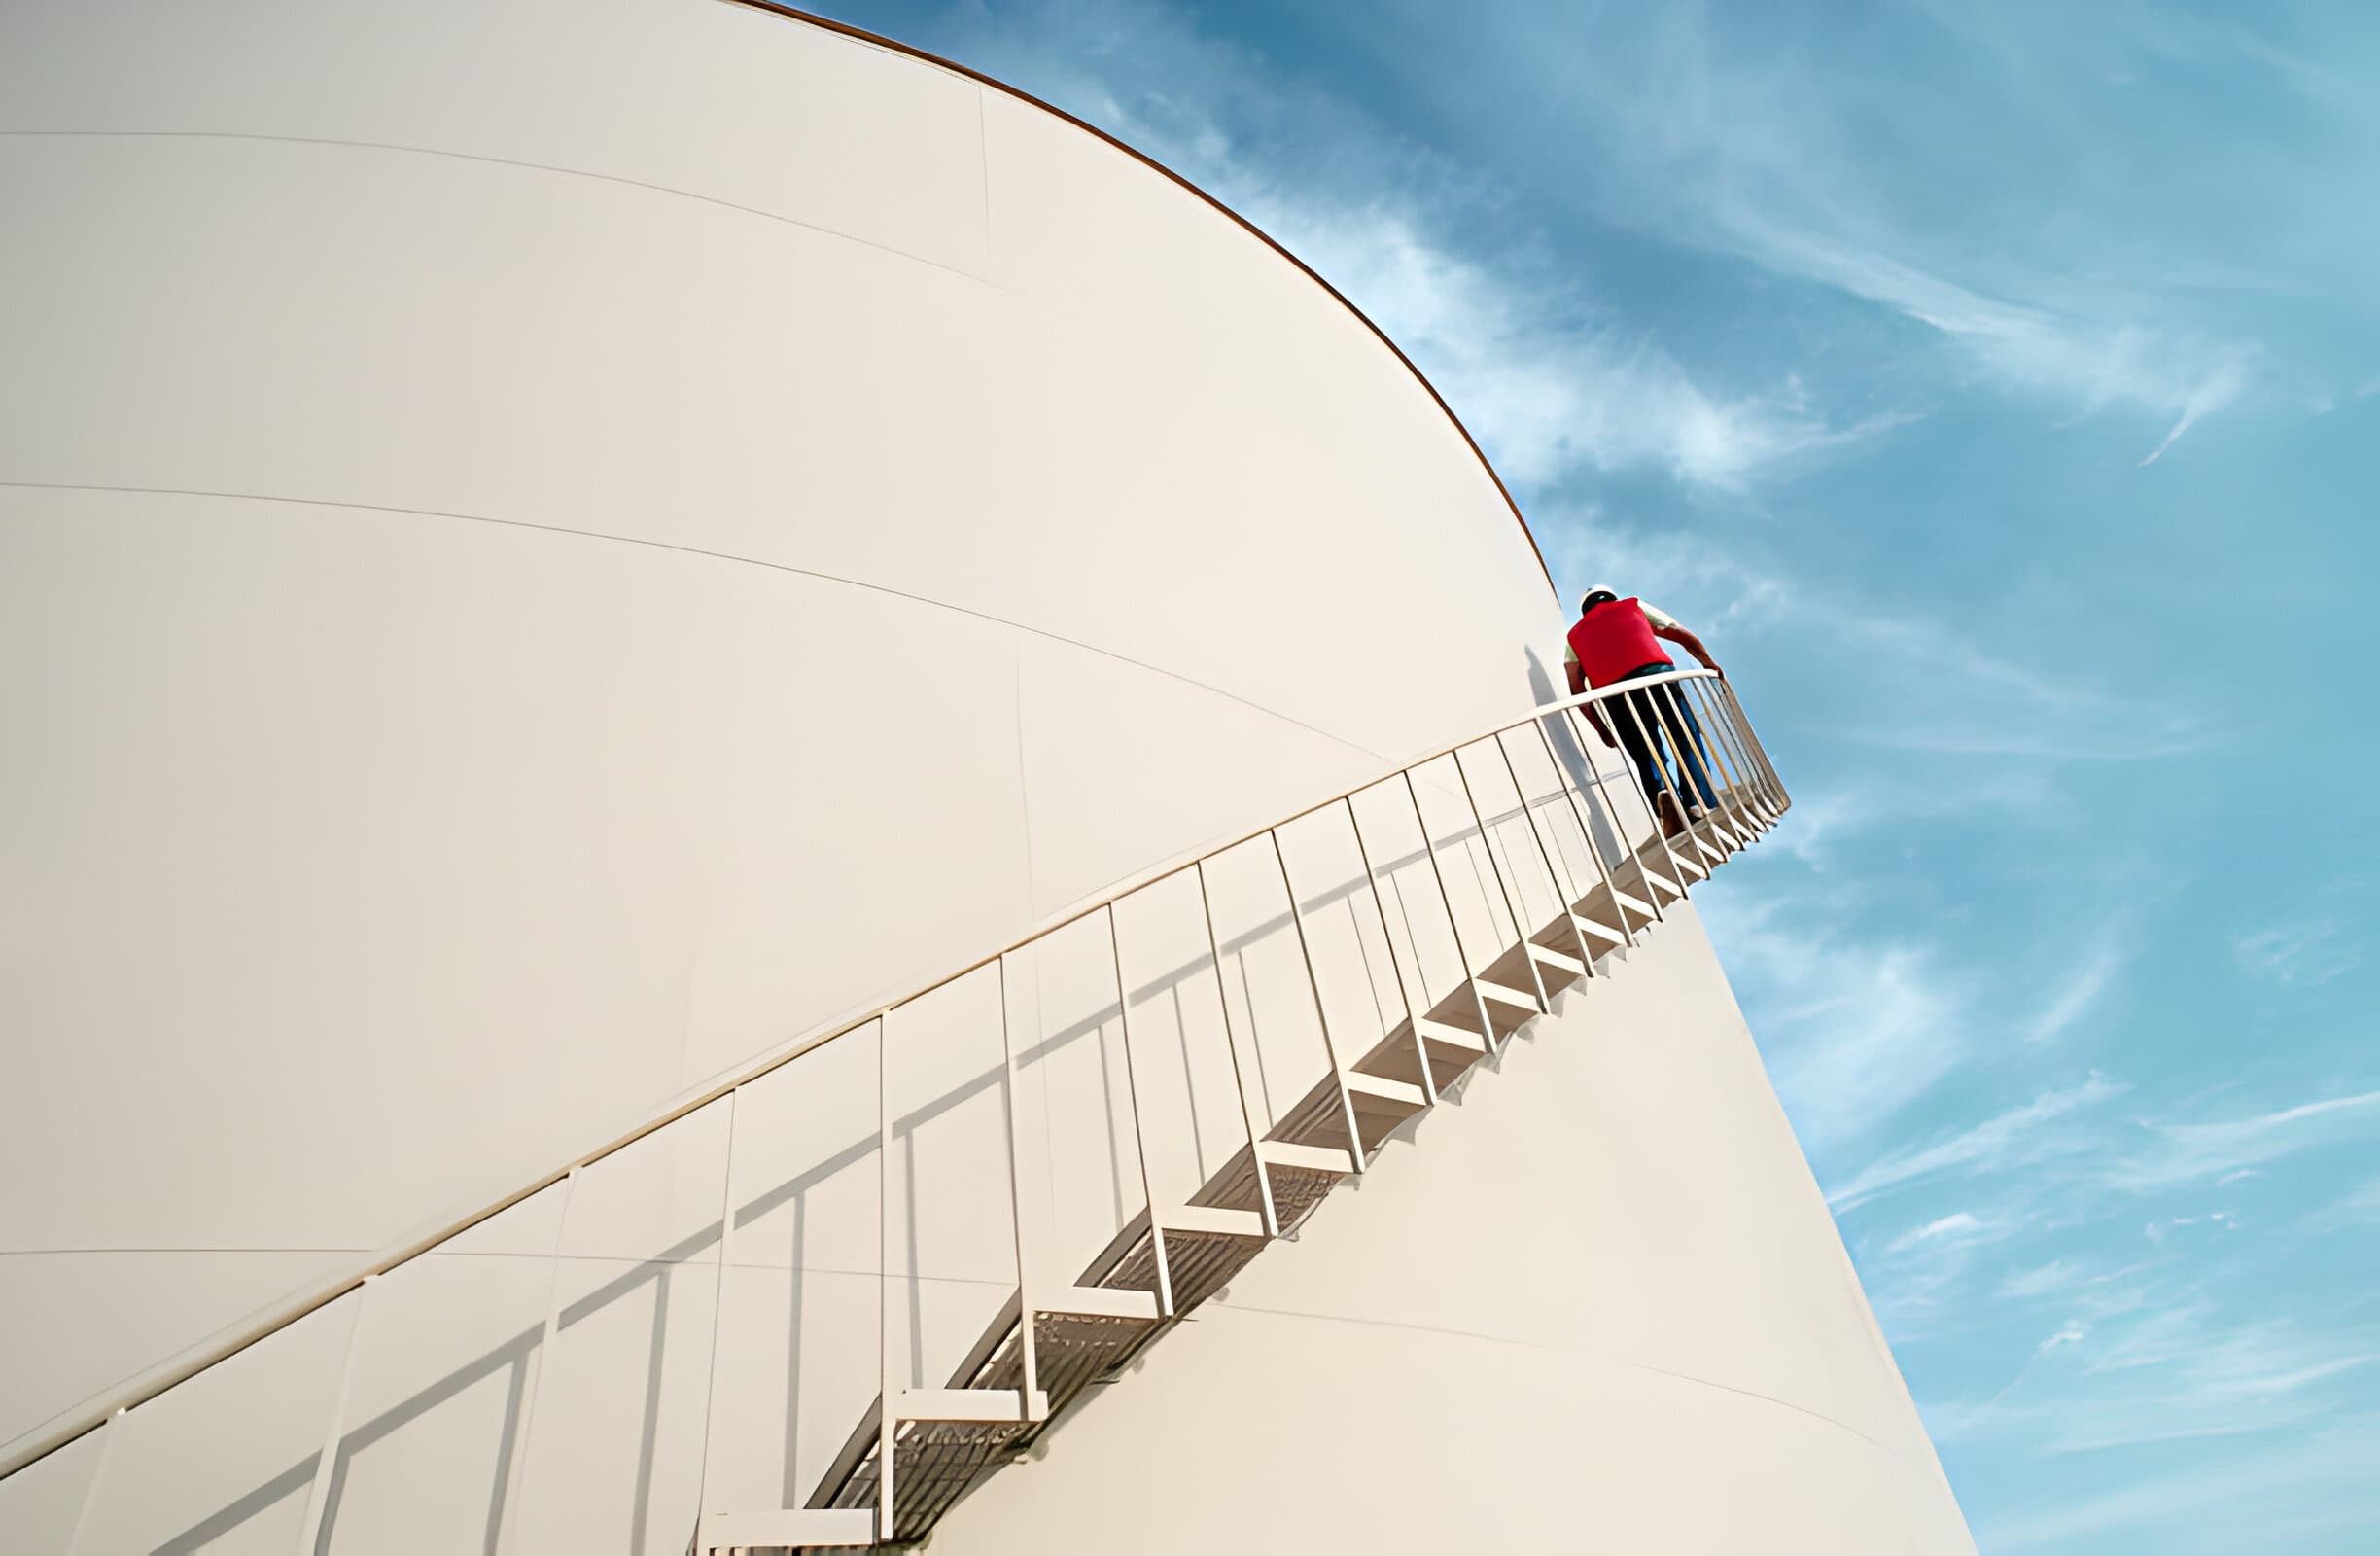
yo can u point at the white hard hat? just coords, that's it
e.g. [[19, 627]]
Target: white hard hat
[[1600, 588]]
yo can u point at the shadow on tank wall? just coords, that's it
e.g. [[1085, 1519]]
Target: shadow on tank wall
[[453, 1458]]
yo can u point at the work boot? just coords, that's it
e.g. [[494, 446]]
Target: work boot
[[1672, 817]]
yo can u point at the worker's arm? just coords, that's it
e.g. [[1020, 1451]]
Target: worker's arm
[[1578, 689], [1691, 644]]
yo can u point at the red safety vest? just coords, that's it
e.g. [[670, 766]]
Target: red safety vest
[[1613, 638]]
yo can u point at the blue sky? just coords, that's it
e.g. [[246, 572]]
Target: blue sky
[[1997, 388]]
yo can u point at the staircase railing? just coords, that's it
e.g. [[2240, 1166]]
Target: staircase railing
[[1334, 1028]]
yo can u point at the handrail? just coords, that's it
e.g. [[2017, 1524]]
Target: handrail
[[142, 1388]]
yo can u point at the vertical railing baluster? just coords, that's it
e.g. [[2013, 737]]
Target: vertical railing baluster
[[1558, 880], [1743, 800], [1507, 892], [1738, 790], [516, 1461], [318, 1494], [1587, 839], [1314, 986], [887, 1420], [1396, 968], [1661, 831], [1693, 778], [1026, 1337], [1682, 788], [1750, 804], [1462, 952], [1132, 1092], [1737, 801], [1231, 1040], [1580, 722]]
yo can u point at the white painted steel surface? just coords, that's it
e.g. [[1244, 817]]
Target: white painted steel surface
[[550, 548], [548, 545]]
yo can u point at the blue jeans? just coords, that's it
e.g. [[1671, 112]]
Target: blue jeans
[[1662, 711]]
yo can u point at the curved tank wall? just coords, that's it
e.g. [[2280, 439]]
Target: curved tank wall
[[550, 547], [545, 548]]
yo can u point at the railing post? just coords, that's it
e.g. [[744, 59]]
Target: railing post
[[1016, 1193], [1132, 1092], [1644, 803], [1694, 769], [1747, 758], [1587, 839], [1313, 986], [1507, 892], [517, 1477], [1653, 751], [318, 1494], [1559, 880], [1463, 953], [1745, 798], [888, 1423], [1231, 1040], [1396, 969]]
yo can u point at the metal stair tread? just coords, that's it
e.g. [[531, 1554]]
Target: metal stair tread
[[1553, 957], [1305, 1157], [1101, 1302], [789, 1528], [1505, 994], [969, 1405], [1211, 1220], [1452, 1036], [1381, 1088]]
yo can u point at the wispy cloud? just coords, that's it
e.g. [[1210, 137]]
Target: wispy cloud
[[1962, 699], [2358, 1206], [2300, 952], [2059, 1275], [1958, 1225], [2074, 998], [2006, 1139], [2089, 364], [2170, 1155], [2210, 394], [1551, 394], [2150, 1157], [1717, 136], [1551, 382], [1853, 1030], [2264, 1486], [2146, 1358]]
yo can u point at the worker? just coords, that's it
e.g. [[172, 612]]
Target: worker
[[1618, 640]]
